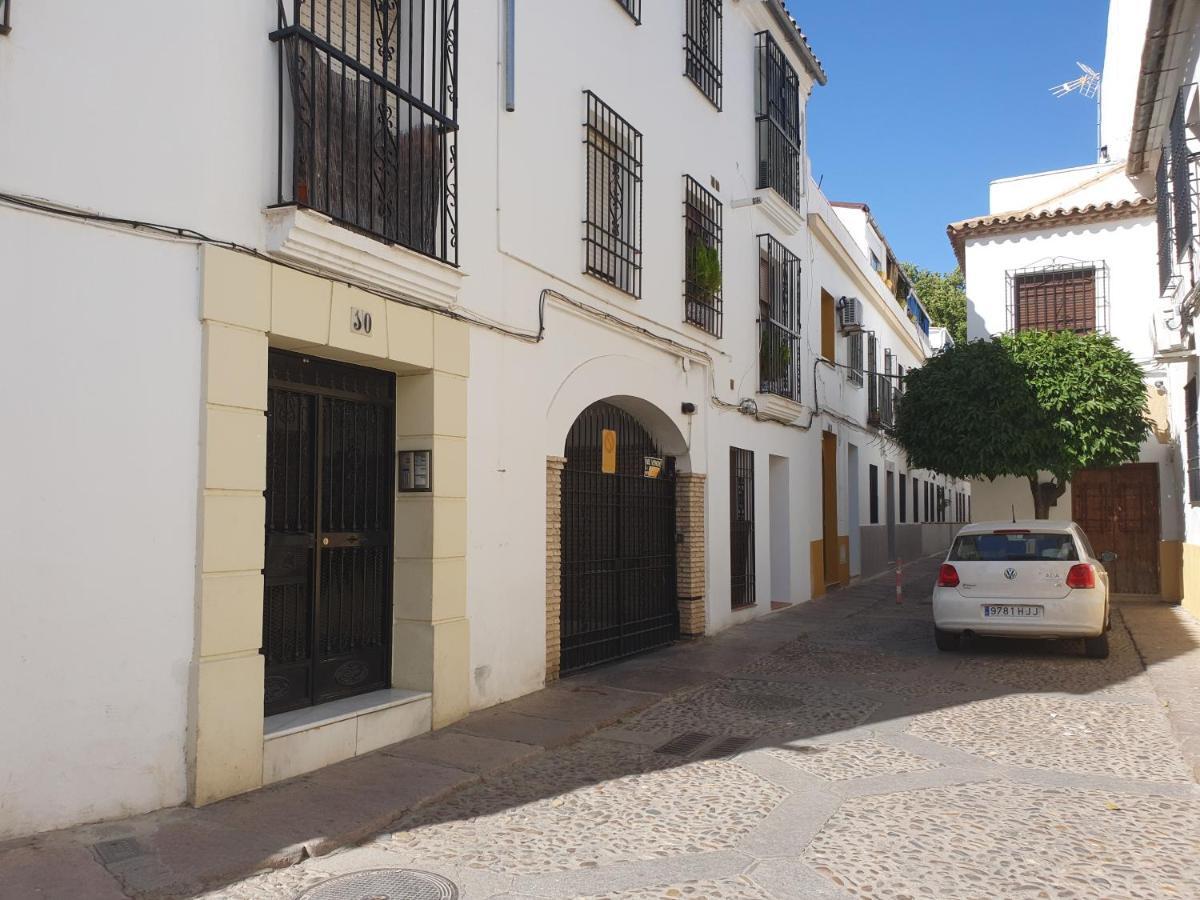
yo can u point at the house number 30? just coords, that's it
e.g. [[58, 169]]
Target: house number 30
[[360, 321]]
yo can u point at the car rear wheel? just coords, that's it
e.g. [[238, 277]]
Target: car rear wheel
[[946, 640], [1096, 647]]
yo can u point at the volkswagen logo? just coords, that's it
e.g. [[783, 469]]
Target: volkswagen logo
[[1010, 574]]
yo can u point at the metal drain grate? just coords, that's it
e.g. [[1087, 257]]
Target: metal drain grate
[[727, 747], [384, 884], [684, 744], [118, 850]]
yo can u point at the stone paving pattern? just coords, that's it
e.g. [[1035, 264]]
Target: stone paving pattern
[[835, 754]]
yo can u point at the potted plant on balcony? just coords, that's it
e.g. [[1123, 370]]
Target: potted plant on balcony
[[704, 274], [775, 358]]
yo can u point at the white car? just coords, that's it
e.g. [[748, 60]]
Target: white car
[[1035, 579]]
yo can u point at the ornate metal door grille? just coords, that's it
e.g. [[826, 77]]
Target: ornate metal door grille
[[618, 544], [741, 528], [327, 585]]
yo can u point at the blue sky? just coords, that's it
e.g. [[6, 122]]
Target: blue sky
[[929, 100]]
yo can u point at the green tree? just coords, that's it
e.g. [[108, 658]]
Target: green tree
[[944, 295], [1027, 403]]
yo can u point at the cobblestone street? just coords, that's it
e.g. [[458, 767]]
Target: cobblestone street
[[852, 760]]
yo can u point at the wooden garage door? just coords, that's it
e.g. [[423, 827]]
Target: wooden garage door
[[1118, 509]]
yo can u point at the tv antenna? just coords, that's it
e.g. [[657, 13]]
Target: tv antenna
[[1087, 86]]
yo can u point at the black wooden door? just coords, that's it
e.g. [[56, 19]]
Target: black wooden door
[[330, 494], [618, 542]]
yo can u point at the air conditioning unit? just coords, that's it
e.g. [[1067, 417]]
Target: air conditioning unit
[[850, 317]]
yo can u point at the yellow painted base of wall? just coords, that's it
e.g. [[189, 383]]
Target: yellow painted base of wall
[[816, 566], [1191, 578], [1170, 570]]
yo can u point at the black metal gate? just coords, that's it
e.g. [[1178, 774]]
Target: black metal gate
[[330, 499], [618, 541]]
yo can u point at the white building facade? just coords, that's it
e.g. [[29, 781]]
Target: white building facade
[[1075, 249], [366, 386]]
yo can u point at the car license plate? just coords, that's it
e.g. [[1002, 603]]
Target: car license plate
[[1012, 612]]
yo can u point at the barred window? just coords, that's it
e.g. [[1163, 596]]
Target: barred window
[[887, 391], [634, 8], [703, 260], [1066, 297], [916, 508], [872, 379], [703, 47], [1192, 428], [1181, 174], [1162, 183], [613, 225], [777, 112], [903, 494], [741, 528], [873, 494], [854, 344], [779, 319]]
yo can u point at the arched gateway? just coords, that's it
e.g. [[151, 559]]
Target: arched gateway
[[618, 575]]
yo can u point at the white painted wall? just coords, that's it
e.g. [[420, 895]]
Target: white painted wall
[[1127, 246], [98, 544], [105, 460], [1064, 188]]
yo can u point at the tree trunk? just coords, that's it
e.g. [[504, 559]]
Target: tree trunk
[[1045, 495]]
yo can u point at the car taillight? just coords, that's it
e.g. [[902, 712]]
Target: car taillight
[[1081, 576], [948, 576]]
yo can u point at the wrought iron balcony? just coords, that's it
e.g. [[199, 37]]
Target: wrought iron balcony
[[779, 361], [777, 122], [368, 117]]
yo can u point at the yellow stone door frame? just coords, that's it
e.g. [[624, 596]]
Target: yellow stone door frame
[[248, 305]]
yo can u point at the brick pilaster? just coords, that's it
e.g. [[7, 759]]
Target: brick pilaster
[[690, 569], [554, 470]]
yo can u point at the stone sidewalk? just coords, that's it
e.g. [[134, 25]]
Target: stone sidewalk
[[824, 751]]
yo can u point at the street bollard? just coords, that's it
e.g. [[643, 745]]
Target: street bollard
[[899, 580]]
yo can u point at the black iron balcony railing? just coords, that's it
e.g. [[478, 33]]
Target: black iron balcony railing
[[882, 399], [368, 117], [779, 361], [777, 118]]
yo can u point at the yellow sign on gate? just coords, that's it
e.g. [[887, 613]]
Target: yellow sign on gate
[[608, 451]]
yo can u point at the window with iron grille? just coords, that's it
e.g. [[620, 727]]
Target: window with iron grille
[[872, 379], [916, 507], [873, 494], [1162, 184], [777, 112], [373, 136], [1191, 425], [634, 8], [941, 504], [741, 528], [887, 405], [703, 259], [613, 225], [1063, 297], [703, 47], [778, 319], [1181, 175], [854, 358], [903, 490]]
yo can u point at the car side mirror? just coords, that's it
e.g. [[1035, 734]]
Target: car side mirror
[[1108, 556]]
